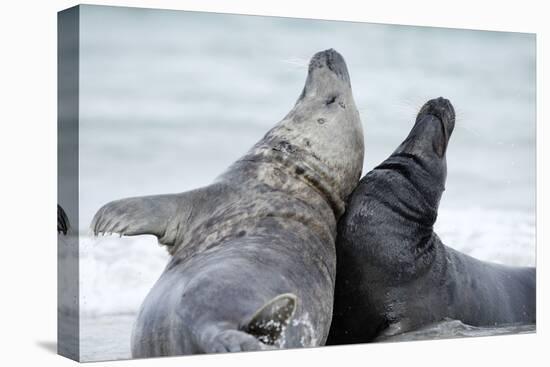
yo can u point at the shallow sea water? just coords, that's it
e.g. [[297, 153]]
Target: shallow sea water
[[170, 99], [449, 329], [108, 338]]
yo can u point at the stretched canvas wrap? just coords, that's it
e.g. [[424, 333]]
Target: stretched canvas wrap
[[242, 183]]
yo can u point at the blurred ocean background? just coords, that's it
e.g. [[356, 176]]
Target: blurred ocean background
[[169, 99]]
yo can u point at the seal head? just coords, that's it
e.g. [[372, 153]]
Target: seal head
[[321, 138], [422, 153]]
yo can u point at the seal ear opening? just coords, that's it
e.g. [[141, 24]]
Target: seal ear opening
[[269, 322]]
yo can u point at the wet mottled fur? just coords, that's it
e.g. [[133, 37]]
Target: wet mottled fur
[[265, 227]]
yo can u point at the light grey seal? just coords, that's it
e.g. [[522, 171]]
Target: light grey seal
[[253, 257], [394, 274]]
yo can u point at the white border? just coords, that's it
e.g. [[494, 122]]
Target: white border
[[28, 156]]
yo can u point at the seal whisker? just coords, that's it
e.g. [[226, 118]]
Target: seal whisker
[[296, 61]]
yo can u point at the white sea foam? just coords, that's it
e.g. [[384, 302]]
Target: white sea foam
[[116, 273], [502, 236]]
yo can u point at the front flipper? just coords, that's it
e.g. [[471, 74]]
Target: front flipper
[[270, 321], [135, 216], [163, 216]]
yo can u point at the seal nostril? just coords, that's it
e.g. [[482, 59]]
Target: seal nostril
[[333, 61], [331, 100], [439, 107]]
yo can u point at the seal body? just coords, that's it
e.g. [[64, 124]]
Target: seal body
[[394, 274], [253, 258]]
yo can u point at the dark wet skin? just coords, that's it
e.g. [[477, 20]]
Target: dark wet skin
[[393, 272], [62, 221]]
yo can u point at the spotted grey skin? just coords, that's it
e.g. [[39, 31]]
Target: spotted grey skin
[[253, 255], [393, 272]]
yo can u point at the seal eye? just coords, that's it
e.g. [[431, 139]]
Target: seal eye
[[330, 100]]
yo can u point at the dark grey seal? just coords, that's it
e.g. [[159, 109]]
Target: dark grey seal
[[253, 255], [393, 272]]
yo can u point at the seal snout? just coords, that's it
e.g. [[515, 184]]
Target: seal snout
[[440, 108], [331, 60]]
